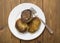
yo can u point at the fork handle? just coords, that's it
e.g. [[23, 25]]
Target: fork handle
[[48, 28]]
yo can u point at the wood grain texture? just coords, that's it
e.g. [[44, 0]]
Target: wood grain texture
[[52, 18], [6, 7], [1, 12], [5, 36], [51, 9], [57, 22], [48, 7]]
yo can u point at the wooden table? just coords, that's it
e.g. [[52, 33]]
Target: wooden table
[[51, 9]]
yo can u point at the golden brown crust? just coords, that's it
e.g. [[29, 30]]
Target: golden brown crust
[[34, 25], [21, 26], [27, 22]]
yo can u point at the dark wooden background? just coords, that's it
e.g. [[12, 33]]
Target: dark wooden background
[[51, 8]]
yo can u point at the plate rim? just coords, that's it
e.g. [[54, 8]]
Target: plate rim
[[28, 39]]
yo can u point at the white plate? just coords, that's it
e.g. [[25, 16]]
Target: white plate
[[15, 14]]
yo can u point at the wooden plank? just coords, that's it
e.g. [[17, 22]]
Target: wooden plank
[[51, 9], [52, 19], [6, 11], [5, 35], [38, 3], [57, 22], [1, 12], [47, 6]]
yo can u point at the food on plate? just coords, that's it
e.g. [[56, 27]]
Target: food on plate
[[34, 25], [21, 26], [27, 23], [26, 15]]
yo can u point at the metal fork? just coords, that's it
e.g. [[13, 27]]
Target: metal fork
[[47, 27]]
